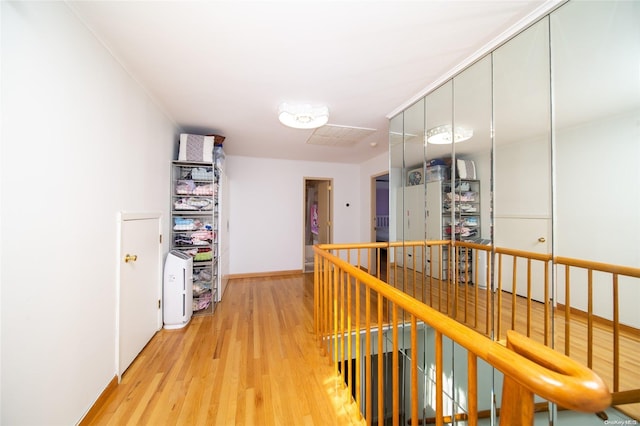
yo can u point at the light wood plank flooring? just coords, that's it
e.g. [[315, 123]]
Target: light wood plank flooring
[[255, 361]]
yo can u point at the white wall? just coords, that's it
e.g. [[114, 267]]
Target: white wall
[[80, 142], [374, 167], [266, 212], [597, 205]]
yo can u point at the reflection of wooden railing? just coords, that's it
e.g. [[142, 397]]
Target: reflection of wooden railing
[[530, 259], [605, 271], [349, 300]]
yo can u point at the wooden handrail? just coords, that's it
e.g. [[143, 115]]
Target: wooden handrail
[[550, 374], [615, 271], [529, 368], [598, 266], [525, 254]]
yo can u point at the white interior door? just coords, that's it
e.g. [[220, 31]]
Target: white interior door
[[522, 218], [139, 313], [324, 212], [527, 234], [414, 202]]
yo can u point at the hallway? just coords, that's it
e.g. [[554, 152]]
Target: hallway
[[255, 361]]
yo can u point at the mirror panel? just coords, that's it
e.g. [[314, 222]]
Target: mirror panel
[[414, 191], [439, 111], [467, 202], [565, 184], [396, 172], [596, 86], [438, 116], [471, 194], [522, 162]]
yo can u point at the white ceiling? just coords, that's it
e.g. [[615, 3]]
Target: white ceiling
[[224, 66]]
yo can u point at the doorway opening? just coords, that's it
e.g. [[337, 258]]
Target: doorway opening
[[380, 217], [318, 216]]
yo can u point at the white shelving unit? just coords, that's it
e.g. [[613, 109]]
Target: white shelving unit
[[460, 222], [195, 227]]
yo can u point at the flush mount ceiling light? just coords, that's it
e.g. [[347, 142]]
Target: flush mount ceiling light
[[442, 134], [303, 116]]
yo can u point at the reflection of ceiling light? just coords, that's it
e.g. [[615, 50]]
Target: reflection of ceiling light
[[442, 134], [303, 116]]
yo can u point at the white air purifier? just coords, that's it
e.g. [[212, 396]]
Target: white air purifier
[[178, 290]]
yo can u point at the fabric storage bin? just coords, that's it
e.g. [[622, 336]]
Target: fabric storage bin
[[196, 148], [465, 169]]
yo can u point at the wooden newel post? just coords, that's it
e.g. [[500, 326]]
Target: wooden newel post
[[517, 401], [517, 404]]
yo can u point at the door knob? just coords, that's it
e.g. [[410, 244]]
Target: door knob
[[130, 258], [542, 239]]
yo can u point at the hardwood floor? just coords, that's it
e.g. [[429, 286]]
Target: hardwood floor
[[255, 361]]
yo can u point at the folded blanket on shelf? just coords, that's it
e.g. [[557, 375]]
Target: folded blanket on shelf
[[182, 240], [202, 302], [203, 256], [203, 274], [198, 236], [182, 224], [464, 196], [192, 204], [202, 173], [185, 187], [203, 190], [199, 288]]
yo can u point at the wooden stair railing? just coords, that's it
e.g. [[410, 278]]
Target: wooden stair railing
[[551, 375], [614, 273], [529, 367], [501, 311]]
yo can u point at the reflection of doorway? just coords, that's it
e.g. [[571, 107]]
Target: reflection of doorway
[[317, 217], [379, 215], [380, 207]]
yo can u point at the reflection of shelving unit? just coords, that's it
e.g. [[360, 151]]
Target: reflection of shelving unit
[[194, 221], [460, 222], [450, 214]]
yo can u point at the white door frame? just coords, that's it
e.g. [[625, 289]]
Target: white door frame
[[122, 217]]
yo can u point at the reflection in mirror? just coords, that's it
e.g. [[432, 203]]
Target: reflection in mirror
[[466, 214], [597, 143], [412, 257], [471, 193], [396, 172], [414, 212], [438, 111], [565, 185], [595, 52], [522, 196]]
